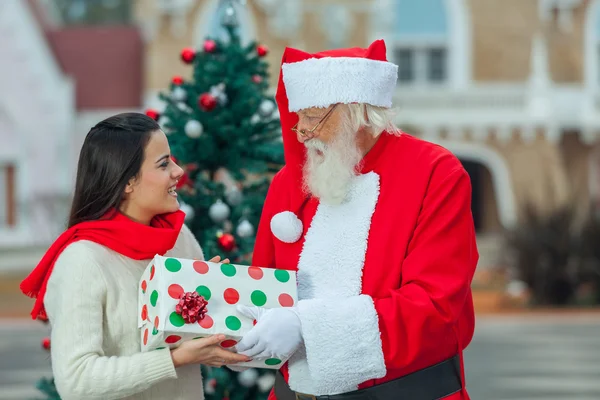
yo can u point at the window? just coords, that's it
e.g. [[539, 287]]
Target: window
[[421, 41], [8, 209], [97, 12]]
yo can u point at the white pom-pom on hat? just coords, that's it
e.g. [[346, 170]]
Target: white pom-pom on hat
[[286, 226]]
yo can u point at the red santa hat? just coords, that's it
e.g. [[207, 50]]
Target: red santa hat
[[352, 75]]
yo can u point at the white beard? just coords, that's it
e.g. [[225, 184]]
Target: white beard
[[328, 176]]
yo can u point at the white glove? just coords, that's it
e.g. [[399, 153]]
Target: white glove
[[277, 333]]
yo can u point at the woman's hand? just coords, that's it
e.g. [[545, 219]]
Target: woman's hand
[[205, 351], [217, 259]]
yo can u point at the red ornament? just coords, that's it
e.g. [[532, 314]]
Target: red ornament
[[46, 343], [210, 46], [262, 50], [177, 80], [257, 79], [226, 241], [155, 115], [187, 55], [183, 181], [191, 307], [207, 102]]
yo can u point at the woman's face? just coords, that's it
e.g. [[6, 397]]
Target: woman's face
[[152, 192]]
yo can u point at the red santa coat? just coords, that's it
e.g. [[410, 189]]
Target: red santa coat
[[384, 278]]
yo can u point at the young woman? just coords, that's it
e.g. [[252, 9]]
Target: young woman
[[124, 211]]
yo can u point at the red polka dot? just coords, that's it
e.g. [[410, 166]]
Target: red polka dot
[[228, 343], [156, 322], [145, 337], [255, 273], [175, 291], [231, 296], [254, 322], [152, 269], [286, 300], [172, 339], [144, 285], [144, 312], [207, 322], [201, 267]]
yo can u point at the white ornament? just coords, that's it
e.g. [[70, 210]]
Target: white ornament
[[266, 382], [193, 129], [248, 377], [266, 108], [218, 212], [286, 227], [187, 210], [245, 229], [179, 94], [184, 107], [209, 387], [218, 92], [163, 122], [234, 196], [255, 119]]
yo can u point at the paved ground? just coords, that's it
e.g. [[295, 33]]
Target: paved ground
[[549, 358], [511, 358]]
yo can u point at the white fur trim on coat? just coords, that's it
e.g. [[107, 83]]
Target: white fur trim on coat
[[320, 82], [339, 325]]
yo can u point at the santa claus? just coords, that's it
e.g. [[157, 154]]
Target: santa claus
[[378, 226]]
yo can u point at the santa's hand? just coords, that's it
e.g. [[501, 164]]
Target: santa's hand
[[277, 333]]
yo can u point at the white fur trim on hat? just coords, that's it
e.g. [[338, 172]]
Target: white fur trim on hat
[[320, 82], [286, 227]]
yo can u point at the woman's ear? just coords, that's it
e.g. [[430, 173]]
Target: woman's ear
[[130, 185]]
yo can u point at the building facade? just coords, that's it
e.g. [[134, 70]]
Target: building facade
[[511, 87]]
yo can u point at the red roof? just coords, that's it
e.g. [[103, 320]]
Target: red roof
[[106, 63]]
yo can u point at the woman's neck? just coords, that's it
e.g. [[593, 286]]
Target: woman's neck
[[134, 215]]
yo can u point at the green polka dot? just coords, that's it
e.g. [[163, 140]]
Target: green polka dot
[[172, 265], [154, 331], [160, 348], [258, 298], [176, 319], [233, 323], [154, 298], [228, 269], [282, 275], [204, 292], [273, 361], [197, 337]]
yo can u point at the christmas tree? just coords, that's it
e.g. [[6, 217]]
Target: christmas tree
[[224, 131], [46, 385]]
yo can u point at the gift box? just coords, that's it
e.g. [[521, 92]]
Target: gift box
[[183, 299]]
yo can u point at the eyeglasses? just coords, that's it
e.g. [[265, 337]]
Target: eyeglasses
[[310, 133]]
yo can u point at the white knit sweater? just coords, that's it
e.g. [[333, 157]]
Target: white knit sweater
[[91, 302]]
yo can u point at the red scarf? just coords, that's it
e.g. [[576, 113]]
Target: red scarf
[[118, 233]]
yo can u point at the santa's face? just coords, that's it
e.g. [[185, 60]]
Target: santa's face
[[330, 165]]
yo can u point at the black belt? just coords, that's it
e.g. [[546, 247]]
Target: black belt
[[431, 383]]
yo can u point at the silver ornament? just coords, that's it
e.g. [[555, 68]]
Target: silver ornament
[[266, 108], [193, 129], [187, 210], [245, 229], [229, 17], [234, 196], [255, 119], [179, 94], [248, 377], [219, 212], [266, 382], [218, 92]]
